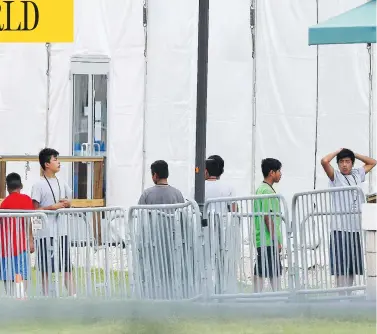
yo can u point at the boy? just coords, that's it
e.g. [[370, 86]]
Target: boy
[[51, 193], [216, 188], [162, 192], [220, 162], [158, 269], [346, 254], [222, 228], [267, 228], [16, 235]]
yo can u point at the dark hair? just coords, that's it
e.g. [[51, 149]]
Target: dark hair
[[13, 181], [269, 165], [161, 168], [345, 153], [220, 161], [213, 168], [45, 156]]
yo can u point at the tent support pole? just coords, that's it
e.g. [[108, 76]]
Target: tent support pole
[[48, 73], [316, 111], [370, 112], [253, 19], [144, 153]]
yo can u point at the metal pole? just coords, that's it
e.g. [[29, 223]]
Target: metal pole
[[370, 112], [48, 73], [201, 103], [145, 25], [316, 111], [253, 9]]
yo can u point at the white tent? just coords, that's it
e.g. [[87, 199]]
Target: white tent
[[150, 101]]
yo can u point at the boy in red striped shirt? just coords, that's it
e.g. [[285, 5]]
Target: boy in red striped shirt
[[15, 233]]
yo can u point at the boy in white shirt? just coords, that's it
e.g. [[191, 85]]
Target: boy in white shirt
[[52, 193], [216, 188], [346, 254]]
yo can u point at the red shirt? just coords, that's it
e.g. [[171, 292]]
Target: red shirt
[[12, 235]]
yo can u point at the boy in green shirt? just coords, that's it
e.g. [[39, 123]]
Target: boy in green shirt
[[267, 228]]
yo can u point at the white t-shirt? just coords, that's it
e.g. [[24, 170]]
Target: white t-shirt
[[347, 205], [218, 189], [49, 192]]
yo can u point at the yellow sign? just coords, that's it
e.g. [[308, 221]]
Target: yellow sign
[[37, 21]]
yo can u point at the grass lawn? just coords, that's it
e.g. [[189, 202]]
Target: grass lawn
[[270, 326], [86, 281]]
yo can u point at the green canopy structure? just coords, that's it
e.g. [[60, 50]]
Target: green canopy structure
[[357, 25]]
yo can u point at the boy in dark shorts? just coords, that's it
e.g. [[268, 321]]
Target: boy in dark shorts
[[52, 193], [346, 251], [16, 236], [268, 230]]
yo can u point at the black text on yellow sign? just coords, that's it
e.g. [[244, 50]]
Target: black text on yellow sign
[[37, 21]]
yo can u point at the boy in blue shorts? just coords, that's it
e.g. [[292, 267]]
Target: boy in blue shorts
[[16, 235]]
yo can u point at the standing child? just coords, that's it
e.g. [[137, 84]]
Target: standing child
[[346, 252], [16, 235], [268, 228], [51, 193]]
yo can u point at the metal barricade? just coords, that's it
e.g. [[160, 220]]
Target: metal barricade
[[247, 260], [167, 248], [19, 269], [93, 249], [329, 243]]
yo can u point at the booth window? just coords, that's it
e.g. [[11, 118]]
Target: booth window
[[89, 81]]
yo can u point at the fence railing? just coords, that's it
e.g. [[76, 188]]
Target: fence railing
[[248, 240], [249, 250], [328, 242], [18, 267], [95, 247], [77, 252], [168, 251]]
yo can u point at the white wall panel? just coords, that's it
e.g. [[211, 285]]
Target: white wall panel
[[110, 28], [23, 88], [230, 74], [286, 91], [171, 90]]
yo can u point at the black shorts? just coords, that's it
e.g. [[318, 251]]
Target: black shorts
[[268, 262], [45, 252], [346, 253]]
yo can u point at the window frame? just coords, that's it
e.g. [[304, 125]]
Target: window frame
[[87, 65]]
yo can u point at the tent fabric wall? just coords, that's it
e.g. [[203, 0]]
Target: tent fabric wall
[[286, 92], [230, 87], [171, 90], [23, 102], [343, 94], [113, 29]]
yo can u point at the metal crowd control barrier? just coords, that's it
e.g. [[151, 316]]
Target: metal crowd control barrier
[[18, 267], [248, 248], [78, 252], [167, 248], [163, 252], [329, 243], [94, 252]]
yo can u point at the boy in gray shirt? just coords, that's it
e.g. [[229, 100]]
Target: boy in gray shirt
[[161, 193], [51, 193]]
